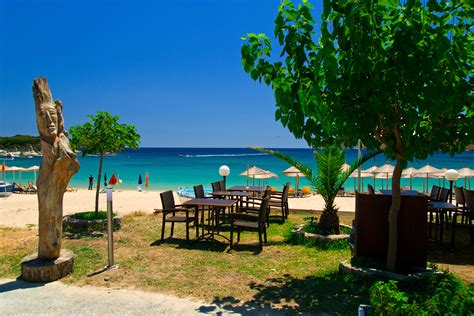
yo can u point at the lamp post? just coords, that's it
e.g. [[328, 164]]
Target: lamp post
[[224, 171], [452, 175]]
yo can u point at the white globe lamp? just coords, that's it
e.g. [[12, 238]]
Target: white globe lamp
[[224, 171], [452, 175]]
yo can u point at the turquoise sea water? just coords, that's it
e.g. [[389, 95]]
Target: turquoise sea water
[[167, 170]]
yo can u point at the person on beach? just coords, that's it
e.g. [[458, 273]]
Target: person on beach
[[91, 182]]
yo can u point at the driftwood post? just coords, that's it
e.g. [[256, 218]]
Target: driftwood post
[[58, 165]]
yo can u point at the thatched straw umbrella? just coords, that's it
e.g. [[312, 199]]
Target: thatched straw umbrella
[[426, 171], [466, 173], [385, 170], [296, 173], [408, 173], [255, 172]]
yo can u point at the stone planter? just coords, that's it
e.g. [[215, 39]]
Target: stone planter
[[299, 232], [74, 225], [347, 267]]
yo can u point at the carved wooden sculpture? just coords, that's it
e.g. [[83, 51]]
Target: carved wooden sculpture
[[58, 165]]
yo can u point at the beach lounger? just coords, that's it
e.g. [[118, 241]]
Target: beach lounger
[[31, 188]]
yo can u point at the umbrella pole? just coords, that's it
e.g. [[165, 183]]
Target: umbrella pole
[[427, 183], [297, 184], [411, 182]]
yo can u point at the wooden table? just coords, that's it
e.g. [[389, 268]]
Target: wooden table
[[234, 195], [214, 205], [441, 208], [402, 192], [246, 189]]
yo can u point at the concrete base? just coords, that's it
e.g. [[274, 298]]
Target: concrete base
[[38, 270], [347, 267]]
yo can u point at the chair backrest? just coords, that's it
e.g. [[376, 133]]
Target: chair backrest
[[262, 212], [284, 195], [216, 186], [435, 191], [443, 195], [458, 193], [222, 184], [371, 190], [199, 192], [267, 193], [469, 199], [167, 200]]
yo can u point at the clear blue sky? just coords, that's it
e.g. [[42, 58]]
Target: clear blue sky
[[172, 68]]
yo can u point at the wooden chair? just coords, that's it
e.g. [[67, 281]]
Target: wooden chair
[[222, 185], [435, 190], [242, 221], [280, 200], [169, 208], [460, 201], [199, 192], [467, 213], [443, 195], [370, 189], [216, 186], [251, 206]]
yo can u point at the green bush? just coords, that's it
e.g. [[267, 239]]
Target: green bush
[[88, 216], [325, 245], [439, 294]]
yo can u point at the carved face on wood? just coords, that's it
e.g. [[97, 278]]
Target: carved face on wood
[[48, 120], [49, 114]]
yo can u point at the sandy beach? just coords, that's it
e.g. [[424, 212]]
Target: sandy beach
[[20, 210]]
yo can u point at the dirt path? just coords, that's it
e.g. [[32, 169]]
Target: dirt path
[[19, 297]]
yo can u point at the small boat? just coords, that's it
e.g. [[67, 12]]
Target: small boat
[[185, 155], [8, 156], [30, 157], [6, 189]]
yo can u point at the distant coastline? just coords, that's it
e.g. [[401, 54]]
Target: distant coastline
[[20, 146]]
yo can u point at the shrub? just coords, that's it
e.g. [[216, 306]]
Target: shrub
[[88, 216], [439, 294]]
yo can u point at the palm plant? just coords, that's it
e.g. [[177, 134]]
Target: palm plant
[[327, 181]]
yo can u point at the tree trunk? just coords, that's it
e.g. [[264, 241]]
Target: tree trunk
[[393, 218], [101, 159], [58, 165], [329, 221]]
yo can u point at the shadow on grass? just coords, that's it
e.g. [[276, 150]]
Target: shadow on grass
[[82, 235], [461, 255], [334, 293], [192, 244], [18, 284]]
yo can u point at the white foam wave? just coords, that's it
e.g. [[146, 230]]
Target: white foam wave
[[221, 155]]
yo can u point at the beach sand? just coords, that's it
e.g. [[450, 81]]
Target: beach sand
[[20, 210]]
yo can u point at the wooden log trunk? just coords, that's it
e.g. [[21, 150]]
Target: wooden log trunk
[[58, 165]]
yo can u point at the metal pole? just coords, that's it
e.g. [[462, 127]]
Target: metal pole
[[359, 143], [110, 230], [450, 191]]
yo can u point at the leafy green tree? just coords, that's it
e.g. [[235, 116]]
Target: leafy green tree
[[103, 134], [327, 181], [395, 74]]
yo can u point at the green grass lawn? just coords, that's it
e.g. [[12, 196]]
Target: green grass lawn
[[284, 276]]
